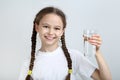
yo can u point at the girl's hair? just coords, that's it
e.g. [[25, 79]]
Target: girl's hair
[[37, 19]]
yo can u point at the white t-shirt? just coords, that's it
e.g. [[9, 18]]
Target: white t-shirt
[[53, 66]]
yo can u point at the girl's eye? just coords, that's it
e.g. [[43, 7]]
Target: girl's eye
[[57, 28], [45, 26]]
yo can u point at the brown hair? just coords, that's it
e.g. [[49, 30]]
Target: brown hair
[[37, 19]]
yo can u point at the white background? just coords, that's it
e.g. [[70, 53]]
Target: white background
[[16, 18]]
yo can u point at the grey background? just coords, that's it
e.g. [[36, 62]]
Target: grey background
[[16, 18]]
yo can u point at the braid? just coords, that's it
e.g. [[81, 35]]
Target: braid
[[67, 55], [33, 47]]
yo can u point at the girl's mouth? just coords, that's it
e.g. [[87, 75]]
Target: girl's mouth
[[49, 37]]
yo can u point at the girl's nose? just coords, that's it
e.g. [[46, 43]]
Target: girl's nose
[[51, 31]]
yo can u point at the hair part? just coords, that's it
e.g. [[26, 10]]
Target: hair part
[[37, 19]]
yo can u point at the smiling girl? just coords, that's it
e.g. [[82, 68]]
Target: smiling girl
[[55, 62]]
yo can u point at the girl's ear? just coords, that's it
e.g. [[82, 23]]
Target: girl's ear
[[36, 27]]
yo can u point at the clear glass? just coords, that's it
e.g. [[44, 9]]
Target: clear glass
[[89, 49]]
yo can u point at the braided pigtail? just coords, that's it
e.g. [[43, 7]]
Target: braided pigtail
[[33, 47], [67, 55]]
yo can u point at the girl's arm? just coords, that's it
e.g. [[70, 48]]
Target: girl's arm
[[103, 73]]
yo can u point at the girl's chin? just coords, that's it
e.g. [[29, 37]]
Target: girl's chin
[[50, 42]]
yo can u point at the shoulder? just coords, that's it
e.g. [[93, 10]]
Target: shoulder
[[74, 53], [77, 56]]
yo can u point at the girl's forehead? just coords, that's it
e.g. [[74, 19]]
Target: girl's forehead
[[51, 19], [51, 15]]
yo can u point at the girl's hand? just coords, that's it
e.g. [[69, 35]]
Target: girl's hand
[[96, 40]]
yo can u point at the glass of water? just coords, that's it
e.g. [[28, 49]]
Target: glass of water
[[89, 49]]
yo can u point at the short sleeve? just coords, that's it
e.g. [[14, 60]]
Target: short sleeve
[[82, 65]]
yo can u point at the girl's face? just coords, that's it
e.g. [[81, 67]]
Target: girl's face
[[50, 29]]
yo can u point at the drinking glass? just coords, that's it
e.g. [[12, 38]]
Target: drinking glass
[[89, 49]]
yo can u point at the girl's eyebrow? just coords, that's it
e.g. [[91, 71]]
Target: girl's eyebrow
[[50, 25], [58, 26], [44, 23]]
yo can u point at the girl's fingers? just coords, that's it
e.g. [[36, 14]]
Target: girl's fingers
[[96, 40], [96, 43]]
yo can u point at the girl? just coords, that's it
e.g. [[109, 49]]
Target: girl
[[55, 62]]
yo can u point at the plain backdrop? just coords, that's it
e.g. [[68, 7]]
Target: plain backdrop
[[16, 23]]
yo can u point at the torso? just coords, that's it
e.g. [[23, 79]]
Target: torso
[[50, 66]]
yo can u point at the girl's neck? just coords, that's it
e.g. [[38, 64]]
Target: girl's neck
[[48, 48]]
